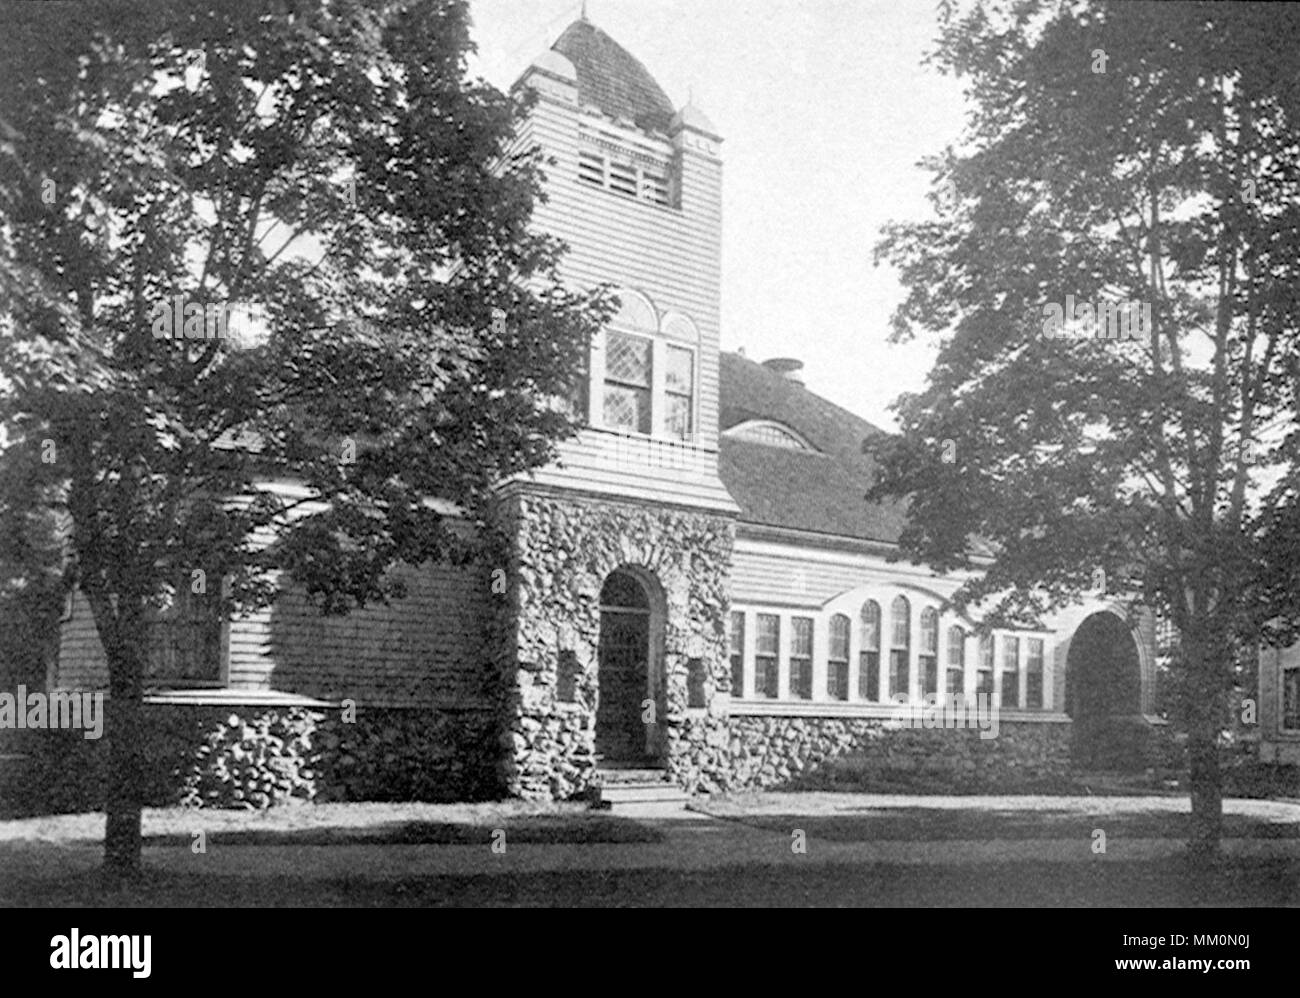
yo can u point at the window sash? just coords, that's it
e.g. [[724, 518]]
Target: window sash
[[1291, 699], [869, 676], [870, 626], [899, 674], [1034, 679], [736, 652], [768, 642], [801, 657], [1010, 672]]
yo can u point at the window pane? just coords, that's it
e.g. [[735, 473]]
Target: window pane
[[899, 677], [677, 417], [736, 643], [801, 650], [901, 618], [870, 626], [1034, 680], [679, 375], [627, 408], [627, 360], [930, 631], [869, 676], [839, 650], [1010, 672], [1291, 699], [768, 637]]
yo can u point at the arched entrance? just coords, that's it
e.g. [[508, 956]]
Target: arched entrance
[[1103, 695], [627, 709]]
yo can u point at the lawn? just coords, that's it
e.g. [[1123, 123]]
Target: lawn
[[525, 822], [837, 817]]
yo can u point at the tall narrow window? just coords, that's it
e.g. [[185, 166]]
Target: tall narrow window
[[1010, 672], [955, 685], [929, 657], [679, 392], [837, 662], [869, 655], [1291, 699], [736, 649], [185, 638], [900, 651], [984, 676], [627, 382], [801, 657], [768, 643], [1034, 680]]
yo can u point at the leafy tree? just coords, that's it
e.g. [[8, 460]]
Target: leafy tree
[[328, 164], [1130, 152]]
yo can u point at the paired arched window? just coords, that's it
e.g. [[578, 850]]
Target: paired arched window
[[900, 625], [634, 400]]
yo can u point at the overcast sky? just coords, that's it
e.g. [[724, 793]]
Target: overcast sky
[[825, 110]]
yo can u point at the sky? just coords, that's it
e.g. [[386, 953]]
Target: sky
[[825, 111]]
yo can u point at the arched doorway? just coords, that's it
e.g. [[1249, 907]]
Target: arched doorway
[[626, 724], [1103, 695]]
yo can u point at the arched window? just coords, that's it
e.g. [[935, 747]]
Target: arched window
[[956, 673], [869, 653], [837, 662], [900, 652], [629, 350], [929, 651]]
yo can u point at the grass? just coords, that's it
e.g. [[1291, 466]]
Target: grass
[[851, 818], [525, 822], [1171, 883]]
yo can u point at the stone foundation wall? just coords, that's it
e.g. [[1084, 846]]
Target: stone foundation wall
[[244, 757], [878, 754], [559, 551]]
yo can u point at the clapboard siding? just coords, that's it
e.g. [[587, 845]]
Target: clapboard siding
[[670, 254], [82, 663], [765, 572], [423, 650]]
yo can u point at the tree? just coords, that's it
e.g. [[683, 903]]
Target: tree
[[327, 167], [1142, 153]]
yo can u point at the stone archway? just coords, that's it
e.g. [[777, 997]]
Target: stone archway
[[627, 676], [1103, 695]]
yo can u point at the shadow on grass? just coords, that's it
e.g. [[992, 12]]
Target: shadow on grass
[[921, 824], [537, 830], [1174, 882]]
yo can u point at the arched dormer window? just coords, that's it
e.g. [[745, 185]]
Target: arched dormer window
[[900, 650], [770, 432]]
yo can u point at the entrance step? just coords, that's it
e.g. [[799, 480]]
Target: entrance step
[[630, 786]]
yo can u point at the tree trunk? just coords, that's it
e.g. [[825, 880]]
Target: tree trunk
[[1204, 692], [122, 838]]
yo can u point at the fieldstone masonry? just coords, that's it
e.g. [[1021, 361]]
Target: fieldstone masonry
[[866, 753], [560, 550]]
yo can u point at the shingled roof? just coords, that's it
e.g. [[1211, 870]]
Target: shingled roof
[[613, 79], [820, 491]]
